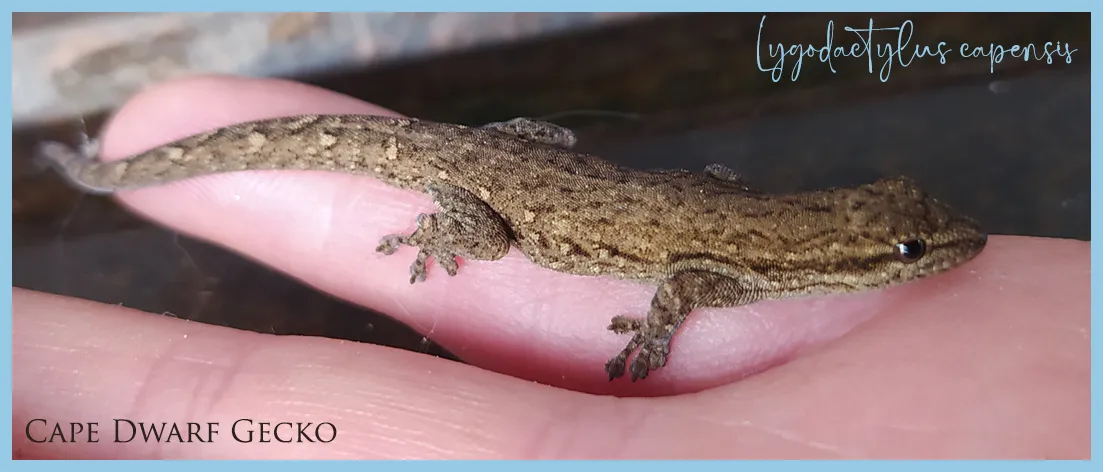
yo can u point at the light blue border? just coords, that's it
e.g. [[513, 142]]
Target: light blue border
[[6, 325], [560, 6], [1096, 280], [550, 6]]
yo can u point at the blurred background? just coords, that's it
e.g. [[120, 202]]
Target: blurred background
[[1009, 146]]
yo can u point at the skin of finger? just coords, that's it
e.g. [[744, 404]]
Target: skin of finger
[[82, 361], [508, 316], [1008, 377]]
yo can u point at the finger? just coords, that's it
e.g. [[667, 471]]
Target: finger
[[509, 316], [1007, 377], [1000, 368], [82, 361]]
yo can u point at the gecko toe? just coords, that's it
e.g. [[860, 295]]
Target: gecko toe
[[447, 260], [652, 356], [624, 324], [389, 244], [639, 367], [615, 366], [420, 267], [417, 268], [656, 356]]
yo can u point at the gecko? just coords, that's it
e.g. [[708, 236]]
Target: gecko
[[704, 239]]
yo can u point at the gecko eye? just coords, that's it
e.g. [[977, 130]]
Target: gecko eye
[[910, 251]]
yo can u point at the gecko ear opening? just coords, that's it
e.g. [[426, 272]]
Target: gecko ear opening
[[910, 251]]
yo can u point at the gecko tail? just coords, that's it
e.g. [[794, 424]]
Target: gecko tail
[[72, 163]]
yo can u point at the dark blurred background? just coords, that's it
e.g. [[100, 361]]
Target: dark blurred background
[[1009, 146]]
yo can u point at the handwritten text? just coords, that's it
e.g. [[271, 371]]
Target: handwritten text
[[898, 51]]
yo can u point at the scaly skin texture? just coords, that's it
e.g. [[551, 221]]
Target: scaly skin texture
[[704, 238]]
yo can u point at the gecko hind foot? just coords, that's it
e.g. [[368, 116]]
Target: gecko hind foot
[[653, 350], [418, 269], [465, 227]]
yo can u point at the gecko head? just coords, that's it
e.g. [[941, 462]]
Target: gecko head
[[907, 234]]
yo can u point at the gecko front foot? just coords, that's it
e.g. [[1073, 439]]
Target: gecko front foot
[[536, 131], [675, 298], [464, 227]]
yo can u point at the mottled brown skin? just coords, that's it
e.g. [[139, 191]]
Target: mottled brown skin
[[704, 238]]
